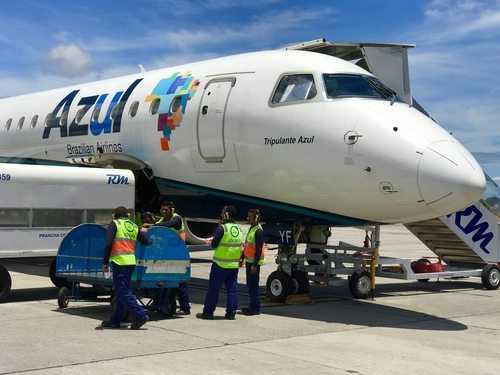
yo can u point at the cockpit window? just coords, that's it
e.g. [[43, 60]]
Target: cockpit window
[[354, 85], [294, 88]]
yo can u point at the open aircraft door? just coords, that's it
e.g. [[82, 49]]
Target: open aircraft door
[[211, 116]]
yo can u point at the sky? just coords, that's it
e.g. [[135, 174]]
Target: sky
[[454, 69]]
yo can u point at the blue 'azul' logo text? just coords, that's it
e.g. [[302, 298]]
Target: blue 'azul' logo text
[[111, 122], [480, 230], [117, 179]]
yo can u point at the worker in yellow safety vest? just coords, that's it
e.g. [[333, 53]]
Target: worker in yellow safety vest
[[226, 242], [121, 238], [172, 220], [254, 251]]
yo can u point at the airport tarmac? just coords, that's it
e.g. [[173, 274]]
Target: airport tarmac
[[445, 327]]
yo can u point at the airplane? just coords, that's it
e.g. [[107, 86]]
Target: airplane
[[305, 137]]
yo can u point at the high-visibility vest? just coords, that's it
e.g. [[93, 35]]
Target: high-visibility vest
[[249, 248], [181, 232], [228, 253], [123, 247]]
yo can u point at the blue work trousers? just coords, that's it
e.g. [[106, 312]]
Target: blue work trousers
[[183, 296], [219, 276], [253, 287], [125, 299]]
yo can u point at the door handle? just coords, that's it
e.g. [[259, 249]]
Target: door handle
[[204, 110]]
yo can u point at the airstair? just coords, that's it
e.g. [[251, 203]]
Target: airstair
[[466, 237]]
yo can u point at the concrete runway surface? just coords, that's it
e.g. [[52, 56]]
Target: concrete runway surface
[[445, 327]]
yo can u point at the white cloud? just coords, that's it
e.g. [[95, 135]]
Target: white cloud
[[68, 60], [455, 70], [261, 31], [183, 7]]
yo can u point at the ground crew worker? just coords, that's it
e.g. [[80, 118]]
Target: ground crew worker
[[253, 254], [172, 220], [120, 252], [226, 242]]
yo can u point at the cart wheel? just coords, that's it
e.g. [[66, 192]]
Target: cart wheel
[[301, 282], [5, 283], [169, 305], [63, 297], [360, 284], [491, 277], [57, 281], [279, 285]]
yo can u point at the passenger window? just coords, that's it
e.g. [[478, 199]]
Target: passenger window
[[21, 123], [14, 217], [95, 114], [134, 107], [49, 119], [64, 119], [294, 88], [99, 216], [34, 120], [8, 124], [155, 106], [176, 104], [79, 115], [116, 109], [58, 218]]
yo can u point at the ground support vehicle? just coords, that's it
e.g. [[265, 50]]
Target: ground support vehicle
[[161, 266], [327, 263]]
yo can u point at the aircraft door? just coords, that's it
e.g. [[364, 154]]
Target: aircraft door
[[211, 116]]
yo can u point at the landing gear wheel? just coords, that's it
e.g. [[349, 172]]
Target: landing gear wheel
[[57, 281], [360, 284], [301, 283], [491, 277], [63, 297], [279, 285], [5, 284]]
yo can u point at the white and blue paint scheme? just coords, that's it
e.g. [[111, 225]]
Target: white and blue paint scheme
[[303, 136]]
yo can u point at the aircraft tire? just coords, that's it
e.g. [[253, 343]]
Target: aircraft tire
[[59, 282], [360, 284], [5, 283], [490, 277], [302, 282], [279, 285]]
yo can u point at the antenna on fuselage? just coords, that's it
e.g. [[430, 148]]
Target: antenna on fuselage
[[141, 68]]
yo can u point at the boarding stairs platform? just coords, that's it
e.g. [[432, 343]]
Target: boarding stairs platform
[[466, 237]]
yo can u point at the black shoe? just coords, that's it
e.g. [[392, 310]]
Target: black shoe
[[249, 312], [107, 324], [138, 323], [205, 316], [229, 316], [184, 312]]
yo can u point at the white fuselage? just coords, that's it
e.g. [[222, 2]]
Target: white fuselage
[[398, 165]]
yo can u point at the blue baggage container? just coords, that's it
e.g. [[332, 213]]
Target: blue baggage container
[[162, 265]]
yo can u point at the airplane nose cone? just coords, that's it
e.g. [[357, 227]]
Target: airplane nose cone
[[449, 178]]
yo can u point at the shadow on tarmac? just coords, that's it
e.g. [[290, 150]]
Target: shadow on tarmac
[[328, 306]]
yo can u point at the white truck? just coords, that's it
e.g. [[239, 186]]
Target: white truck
[[39, 204]]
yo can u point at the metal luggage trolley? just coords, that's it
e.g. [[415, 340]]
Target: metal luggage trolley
[[160, 268]]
